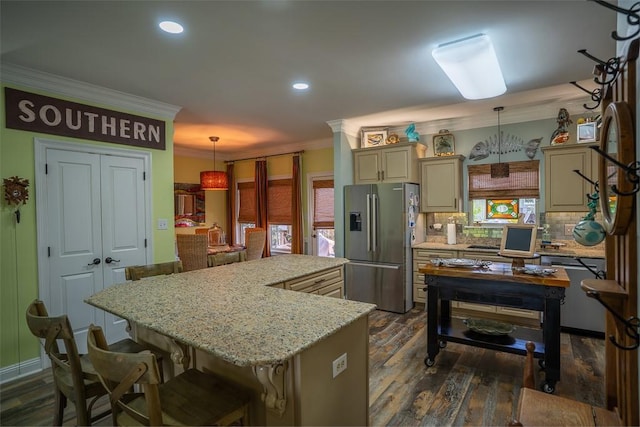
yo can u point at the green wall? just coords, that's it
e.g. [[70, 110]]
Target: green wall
[[18, 245]]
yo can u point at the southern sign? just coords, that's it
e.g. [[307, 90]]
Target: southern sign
[[38, 113]]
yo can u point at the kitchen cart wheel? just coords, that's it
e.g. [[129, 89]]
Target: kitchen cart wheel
[[541, 363], [429, 361], [442, 343], [548, 388]]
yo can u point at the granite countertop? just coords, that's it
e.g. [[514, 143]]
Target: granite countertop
[[566, 251], [229, 312]]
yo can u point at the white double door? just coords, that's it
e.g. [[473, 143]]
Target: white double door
[[94, 224]]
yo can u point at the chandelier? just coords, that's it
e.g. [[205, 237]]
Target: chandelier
[[213, 180]]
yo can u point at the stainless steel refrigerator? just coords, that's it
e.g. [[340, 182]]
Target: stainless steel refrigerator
[[380, 227]]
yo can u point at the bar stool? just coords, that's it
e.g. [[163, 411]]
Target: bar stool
[[74, 377], [191, 398]]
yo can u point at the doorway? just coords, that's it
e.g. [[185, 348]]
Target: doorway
[[93, 220]]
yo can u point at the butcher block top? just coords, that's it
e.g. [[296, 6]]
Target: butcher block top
[[230, 311], [499, 271]]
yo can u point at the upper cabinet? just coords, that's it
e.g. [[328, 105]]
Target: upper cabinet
[[441, 184], [565, 190], [393, 163]]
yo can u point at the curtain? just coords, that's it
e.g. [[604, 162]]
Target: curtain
[[262, 197], [523, 181], [296, 207], [231, 206]]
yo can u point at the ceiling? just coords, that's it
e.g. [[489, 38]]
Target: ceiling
[[368, 62]]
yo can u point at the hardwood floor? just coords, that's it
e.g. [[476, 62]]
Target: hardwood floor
[[466, 386]]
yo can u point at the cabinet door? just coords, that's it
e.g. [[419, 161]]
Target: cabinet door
[[565, 190], [420, 258], [367, 167], [396, 164], [440, 185]]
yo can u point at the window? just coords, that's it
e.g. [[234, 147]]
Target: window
[[278, 216], [520, 188], [323, 219], [482, 208], [246, 208]]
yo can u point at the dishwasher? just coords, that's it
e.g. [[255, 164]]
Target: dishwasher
[[579, 314]]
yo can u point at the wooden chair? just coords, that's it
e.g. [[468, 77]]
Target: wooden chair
[[137, 272], [539, 408], [192, 398], [255, 240], [192, 250], [74, 377]]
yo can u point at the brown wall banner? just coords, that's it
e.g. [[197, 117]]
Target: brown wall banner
[[38, 113]]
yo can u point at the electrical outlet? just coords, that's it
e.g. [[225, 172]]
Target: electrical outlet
[[568, 229], [339, 365], [163, 224]]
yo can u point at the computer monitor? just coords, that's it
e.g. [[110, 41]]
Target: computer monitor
[[518, 240]]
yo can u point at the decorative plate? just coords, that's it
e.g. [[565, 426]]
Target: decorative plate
[[489, 327]]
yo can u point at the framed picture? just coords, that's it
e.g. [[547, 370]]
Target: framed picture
[[443, 144], [373, 137], [587, 132]]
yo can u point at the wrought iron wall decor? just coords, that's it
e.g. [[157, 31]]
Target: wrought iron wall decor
[[633, 18]]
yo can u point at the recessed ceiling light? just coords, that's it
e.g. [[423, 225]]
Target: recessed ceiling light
[[301, 86], [171, 27]]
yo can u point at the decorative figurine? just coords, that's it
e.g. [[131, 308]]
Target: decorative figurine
[[412, 134], [561, 134]]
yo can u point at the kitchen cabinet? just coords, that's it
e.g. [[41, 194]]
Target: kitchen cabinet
[[328, 283], [420, 258], [441, 184], [394, 163], [565, 190]]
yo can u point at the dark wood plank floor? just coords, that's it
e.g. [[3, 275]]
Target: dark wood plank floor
[[466, 386]]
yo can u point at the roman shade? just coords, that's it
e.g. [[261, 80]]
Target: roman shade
[[523, 181], [323, 203]]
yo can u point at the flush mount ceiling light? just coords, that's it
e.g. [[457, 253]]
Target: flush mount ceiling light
[[213, 180], [499, 170], [171, 27], [471, 64]]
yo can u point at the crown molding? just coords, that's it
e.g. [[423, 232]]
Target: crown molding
[[52, 83], [344, 126], [247, 154]]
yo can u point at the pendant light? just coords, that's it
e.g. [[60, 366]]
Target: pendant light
[[213, 180], [499, 170]]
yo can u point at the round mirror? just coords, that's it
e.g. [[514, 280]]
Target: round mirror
[[617, 142]]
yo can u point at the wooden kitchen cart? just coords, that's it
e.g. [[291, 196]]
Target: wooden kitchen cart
[[497, 285]]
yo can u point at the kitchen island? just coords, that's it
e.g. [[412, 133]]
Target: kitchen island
[[237, 321], [496, 284]]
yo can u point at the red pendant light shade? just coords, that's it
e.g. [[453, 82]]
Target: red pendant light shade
[[213, 180]]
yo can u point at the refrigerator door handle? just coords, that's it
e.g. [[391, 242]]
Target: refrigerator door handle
[[368, 222], [374, 208], [362, 264]]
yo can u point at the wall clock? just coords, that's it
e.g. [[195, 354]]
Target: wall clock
[[16, 190], [616, 185]]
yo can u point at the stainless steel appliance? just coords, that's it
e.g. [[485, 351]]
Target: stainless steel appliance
[[380, 227], [579, 313]]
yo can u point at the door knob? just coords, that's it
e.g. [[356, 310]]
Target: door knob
[[109, 260], [96, 261]]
